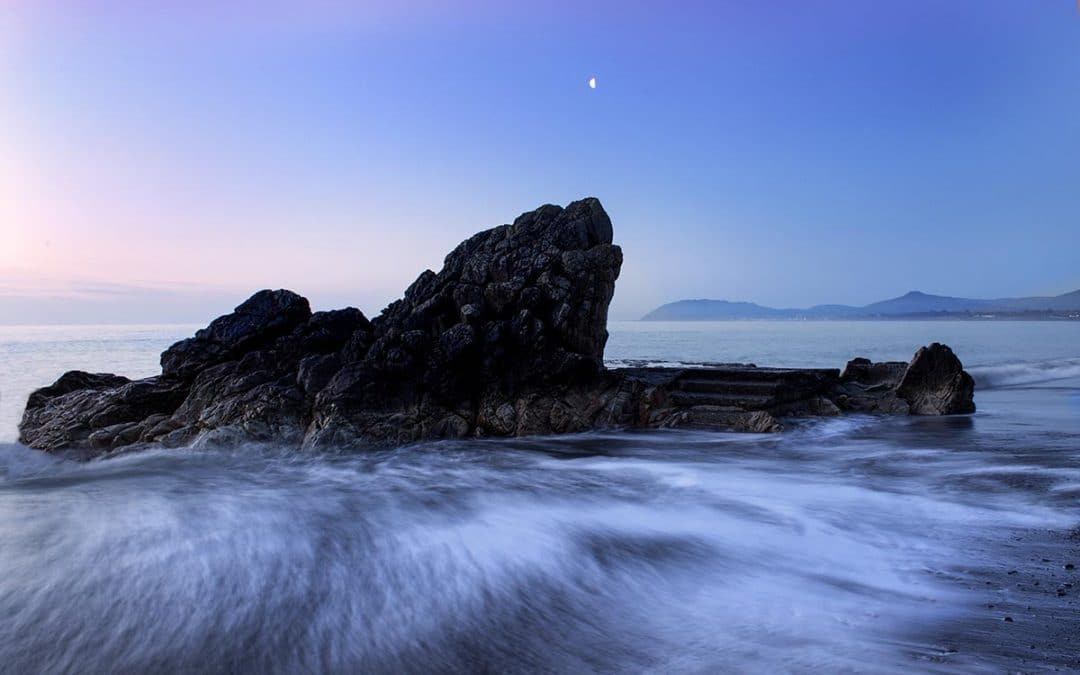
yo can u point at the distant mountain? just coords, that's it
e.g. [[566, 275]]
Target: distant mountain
[[712, 310], [914, 304]]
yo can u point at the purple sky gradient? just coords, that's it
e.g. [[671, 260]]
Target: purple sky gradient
[[784, 153]]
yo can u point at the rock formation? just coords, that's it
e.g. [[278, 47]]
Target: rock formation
[[935, 383], [507, 339]]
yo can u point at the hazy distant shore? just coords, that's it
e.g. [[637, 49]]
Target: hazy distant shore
[[914, 305], [927, 316]]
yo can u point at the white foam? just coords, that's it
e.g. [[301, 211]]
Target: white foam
[[1011, 374]]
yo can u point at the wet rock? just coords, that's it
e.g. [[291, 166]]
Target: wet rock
[[258, 320], [74, 380], [723, 419], [506, 339], [873, 376], [869, 387], [815, 406], [315, 372], [516, 313], [935, 383], [68, 419]]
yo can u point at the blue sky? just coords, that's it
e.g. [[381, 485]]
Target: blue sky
[[164, 162]]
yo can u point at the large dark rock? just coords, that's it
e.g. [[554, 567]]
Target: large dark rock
[[935, 383], [506, 339], [515, 309]]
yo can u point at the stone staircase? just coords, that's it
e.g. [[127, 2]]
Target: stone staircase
[[732, 396], [747, 387]]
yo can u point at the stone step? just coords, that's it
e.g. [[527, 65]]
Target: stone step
[[732, 386], [762, 374], [744, 401]]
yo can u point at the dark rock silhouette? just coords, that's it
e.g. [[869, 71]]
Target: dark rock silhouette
[[253, 325], [507, 339], [935, 383]]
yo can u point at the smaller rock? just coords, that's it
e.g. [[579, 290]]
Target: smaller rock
[[258, 320], [871, 375], [74, 380], [935, 383]]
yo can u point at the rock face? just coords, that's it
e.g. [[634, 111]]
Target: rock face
[[871, 387], [253, 325], [935, 383], [507, 339]]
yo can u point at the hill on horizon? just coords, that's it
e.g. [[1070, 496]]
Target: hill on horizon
[[911, 304]]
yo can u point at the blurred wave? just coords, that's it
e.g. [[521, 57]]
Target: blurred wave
[[822, 550], [841, 545], [1019, 373]]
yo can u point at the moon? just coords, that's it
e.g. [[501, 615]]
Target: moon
[[592, 83]]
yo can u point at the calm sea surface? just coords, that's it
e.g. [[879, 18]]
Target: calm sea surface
[[856, 544]]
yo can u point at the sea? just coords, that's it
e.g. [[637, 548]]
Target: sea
[[853, 544]]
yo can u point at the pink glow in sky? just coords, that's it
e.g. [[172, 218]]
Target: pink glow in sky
[[745, 151], [162, 174]]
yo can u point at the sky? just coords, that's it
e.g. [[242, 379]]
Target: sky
[[161, 161]]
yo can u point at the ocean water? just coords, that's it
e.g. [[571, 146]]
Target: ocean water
[[856, 544]]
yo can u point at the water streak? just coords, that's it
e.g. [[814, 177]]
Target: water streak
[[840, 544]]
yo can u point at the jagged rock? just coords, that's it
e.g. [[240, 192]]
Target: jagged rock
[[74, 380], [61, 417], [261, 318], [723, 418], [506, 339], [516, 310], [935, 383], [870, 387]]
